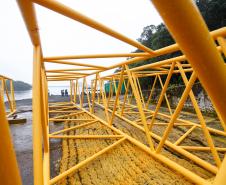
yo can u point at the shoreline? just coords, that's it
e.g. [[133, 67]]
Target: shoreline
[[22, 137], [28, 101]]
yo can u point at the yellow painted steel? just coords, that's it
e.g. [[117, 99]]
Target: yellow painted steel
[[180, 150], [185, 135], [221, 41], [29, 16], [165, 95], [138, 100], [94, 93], [202, 121], [117, 95], [103, 98], [88, 95], [220, 178], [10, 98], [97, 56], [152, 90], [163, 159], [125, 97], [162, 94], [81, 164], [191, 33], [37, 127], [68, 12], [9, 171], [75, 64], [204, 61]]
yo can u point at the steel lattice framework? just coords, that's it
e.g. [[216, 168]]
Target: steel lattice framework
[[201, 59], [9, 93]]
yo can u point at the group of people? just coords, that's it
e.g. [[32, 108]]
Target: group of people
[[64, 92]]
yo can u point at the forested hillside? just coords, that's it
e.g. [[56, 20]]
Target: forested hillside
[[19, 86], [157, 36]]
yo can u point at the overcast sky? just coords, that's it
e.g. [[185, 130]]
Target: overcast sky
[[63, 36]]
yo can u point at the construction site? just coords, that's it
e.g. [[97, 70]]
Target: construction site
[[112, 129]]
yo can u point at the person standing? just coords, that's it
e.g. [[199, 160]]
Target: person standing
[[66, 92], [62, 92]]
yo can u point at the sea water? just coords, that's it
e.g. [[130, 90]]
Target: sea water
[[53, 90]]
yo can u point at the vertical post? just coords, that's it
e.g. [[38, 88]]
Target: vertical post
[[87, 92], [83, 88], [125, 87], [116, 90], [46, 96], [71, 99], [8, 97], [125, 97], [117, 95], [91, 93], [9, 169], [12, 94], [79, 94], [72, 91], [44, 90], [2, 88], [44, 99], [37, 127], [94, 93], [98, 92], [75, 90], [140, 108]]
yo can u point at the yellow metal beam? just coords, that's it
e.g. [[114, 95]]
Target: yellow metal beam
[[28, 12], [9, 171], [191, 33], [75, 64], [75, 15], [142, 54]]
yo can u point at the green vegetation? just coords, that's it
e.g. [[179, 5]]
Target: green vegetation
[[19, 86], [155, 37]]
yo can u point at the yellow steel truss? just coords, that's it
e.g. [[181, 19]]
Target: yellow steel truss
[[201, 59], [10, 97]]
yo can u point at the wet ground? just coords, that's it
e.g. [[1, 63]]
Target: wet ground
[[22, 137]]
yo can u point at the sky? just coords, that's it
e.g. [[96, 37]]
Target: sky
[[63, 36]]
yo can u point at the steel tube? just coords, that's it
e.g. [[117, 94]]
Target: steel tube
[[77, 16], [198, 46]]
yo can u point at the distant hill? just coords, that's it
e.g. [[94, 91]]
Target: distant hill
[[20, 86]]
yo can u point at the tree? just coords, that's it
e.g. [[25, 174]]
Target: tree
[[213, 12], [156, 37]]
